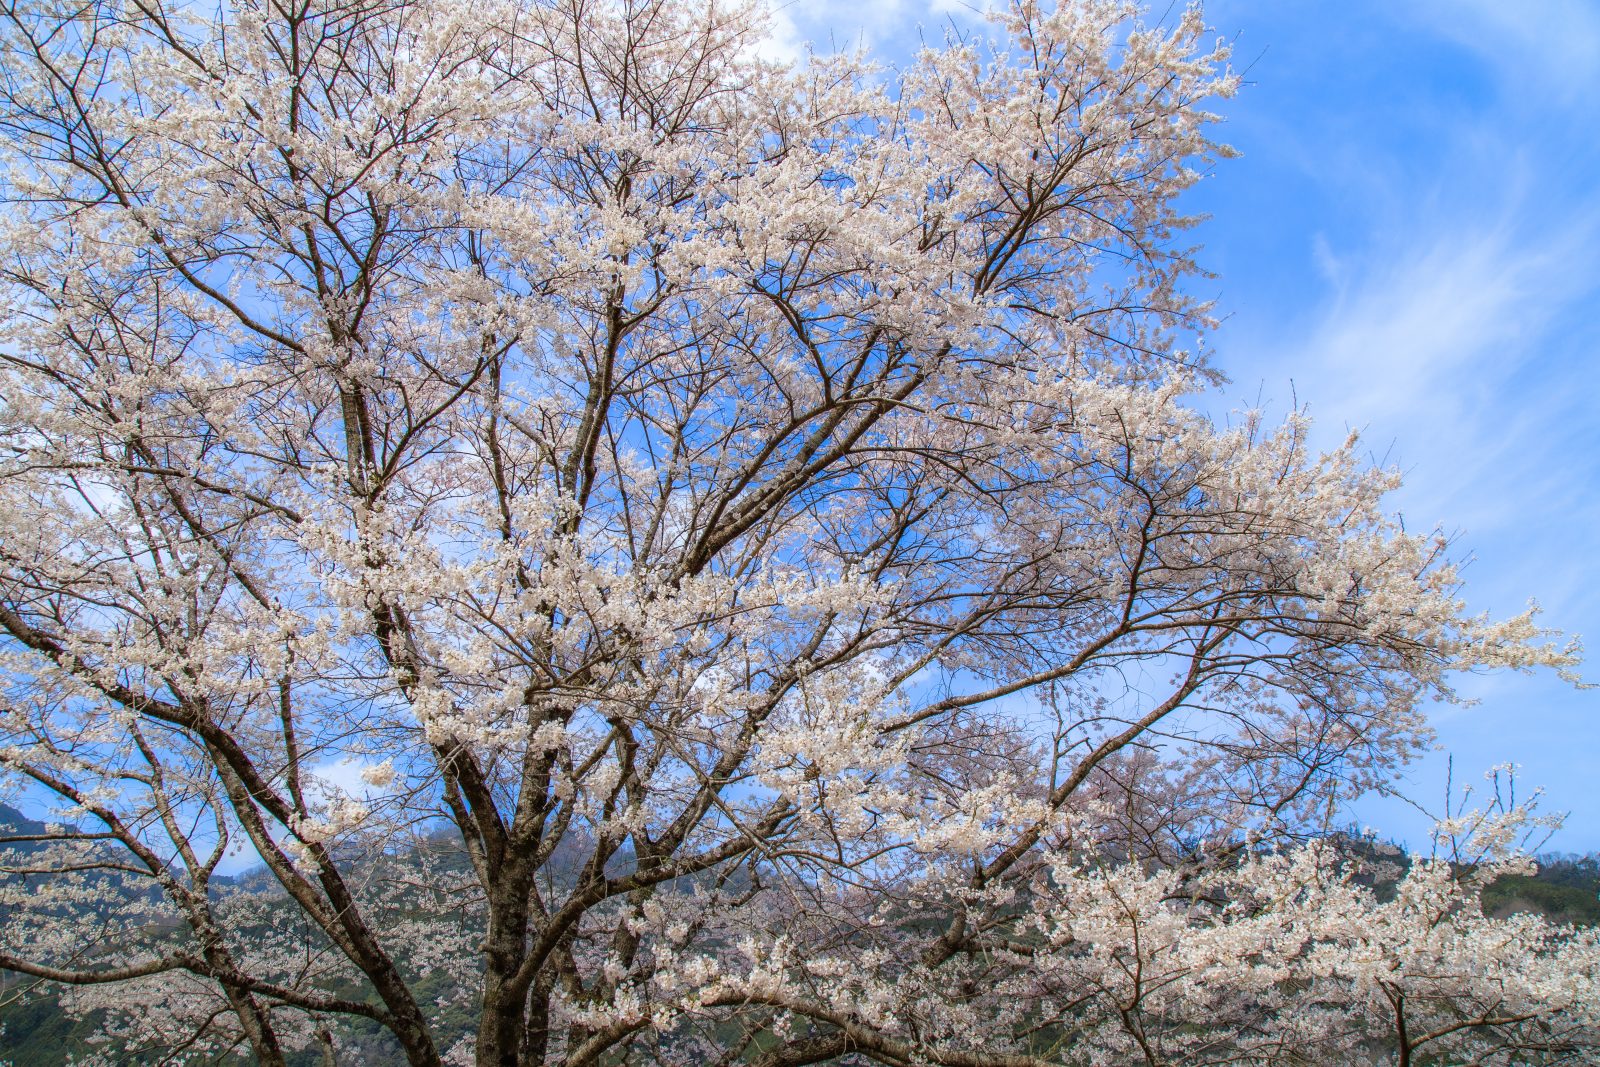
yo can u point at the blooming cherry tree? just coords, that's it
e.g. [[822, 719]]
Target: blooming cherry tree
[[674, 557]]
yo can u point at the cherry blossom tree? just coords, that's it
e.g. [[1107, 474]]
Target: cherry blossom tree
[[671, 556]]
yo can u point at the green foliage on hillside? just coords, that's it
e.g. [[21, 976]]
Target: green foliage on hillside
[[1565, 889]]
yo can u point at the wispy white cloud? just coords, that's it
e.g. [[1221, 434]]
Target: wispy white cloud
[[1449, 343], [1428, 324], [890, 29], [1539, 48], [1442, 300]]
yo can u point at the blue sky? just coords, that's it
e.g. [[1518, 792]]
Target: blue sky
[[1409, 246]]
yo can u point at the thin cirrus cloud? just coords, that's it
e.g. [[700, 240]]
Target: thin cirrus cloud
[[891, 30], [1469, 360], [1426, 274], [1441, 347], [1537, 47]]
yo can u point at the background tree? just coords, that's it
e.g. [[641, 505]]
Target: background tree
[[756, 509]]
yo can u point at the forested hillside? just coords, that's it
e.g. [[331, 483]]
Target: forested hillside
[[37, 1030]]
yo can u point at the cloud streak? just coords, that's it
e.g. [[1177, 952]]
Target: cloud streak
[[1546, 50]]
